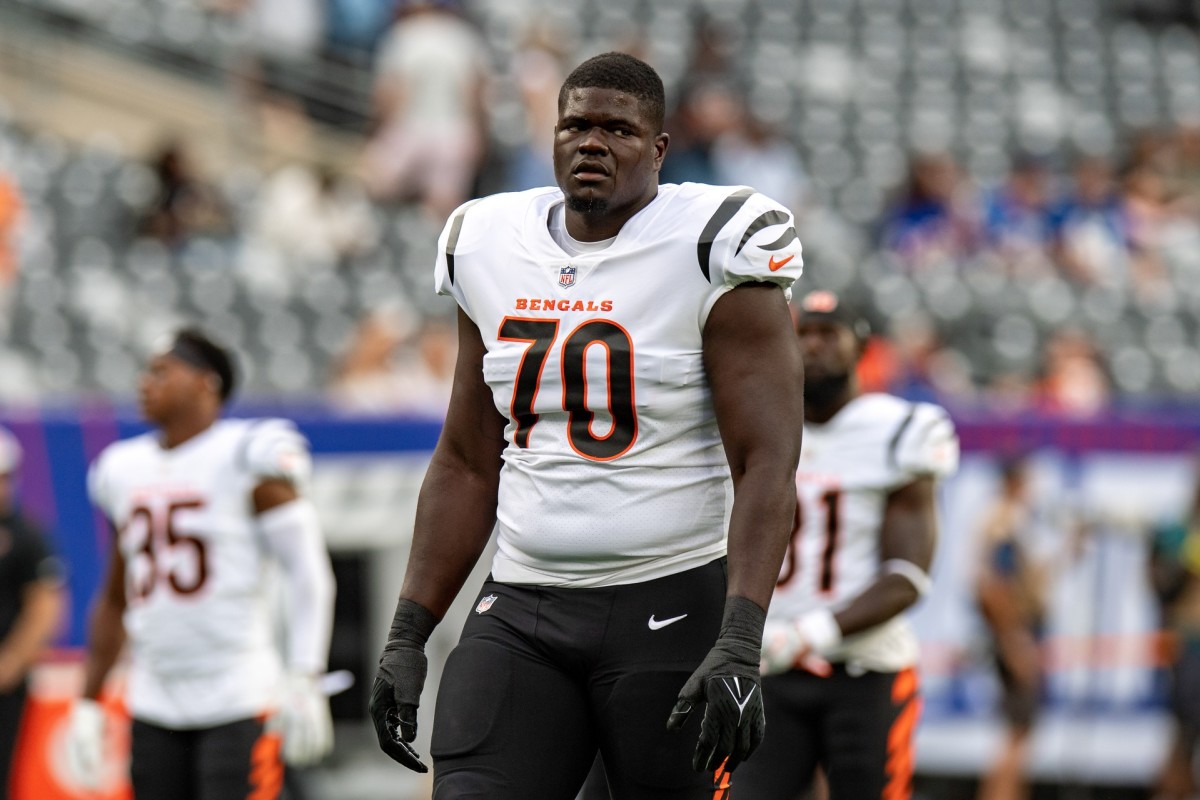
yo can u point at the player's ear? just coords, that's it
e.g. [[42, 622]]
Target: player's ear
[[660, 149]]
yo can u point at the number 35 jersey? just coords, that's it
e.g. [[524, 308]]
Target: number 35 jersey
[[874, 445], [614, 470], [197, 616]]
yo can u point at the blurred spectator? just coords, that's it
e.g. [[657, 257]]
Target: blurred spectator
[[928, 226], [1187, 150], [429, 86], [353, 27], [31, 603], [184, 205], [1092, 228], [1175, 576], [709, 110], [915, 345], [539, 72], [1073, 382], [377, 375], [752, 153], [314, 218], [10, 217], [1150, 217], [1017, 220], [1010, 591]]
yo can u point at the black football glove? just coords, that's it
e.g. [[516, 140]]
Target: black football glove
[[727, 682], [396, 693]]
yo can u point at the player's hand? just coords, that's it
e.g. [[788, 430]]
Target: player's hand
[[785, 647], [396, 694], [305, 722], [726, 682], [85, 743]]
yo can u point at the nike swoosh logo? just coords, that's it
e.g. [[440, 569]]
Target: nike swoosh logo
[[741, 704], [655, 624], [777, 265]]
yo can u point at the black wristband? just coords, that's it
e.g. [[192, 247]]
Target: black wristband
[[743, 622], [412, 622]]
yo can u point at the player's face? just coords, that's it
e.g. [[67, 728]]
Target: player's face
[[829, 349], [607, 153], [169, 385]]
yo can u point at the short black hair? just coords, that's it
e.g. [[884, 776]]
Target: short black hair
[[198, 349], [625, 73]]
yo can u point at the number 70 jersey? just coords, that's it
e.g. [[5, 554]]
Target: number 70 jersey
[[614, 470]]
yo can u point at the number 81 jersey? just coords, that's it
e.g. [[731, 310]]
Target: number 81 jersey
[[197, 614], [614, 471], [848, 467]]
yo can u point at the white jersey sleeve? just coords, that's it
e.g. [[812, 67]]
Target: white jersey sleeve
[[450, 243], [751, 238], [927, 444], [274, 449]]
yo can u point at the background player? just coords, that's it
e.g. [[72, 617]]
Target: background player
[[841, 690], [200, 506], [31, 602], [611, 583], [1011, 590]]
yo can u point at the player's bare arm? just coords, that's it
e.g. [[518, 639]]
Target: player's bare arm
[[908, 537], [456, 508], [755, 370], [273, 493], [456, 511], [106, 631]]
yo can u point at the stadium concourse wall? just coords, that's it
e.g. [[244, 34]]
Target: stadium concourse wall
[[1100, 485]]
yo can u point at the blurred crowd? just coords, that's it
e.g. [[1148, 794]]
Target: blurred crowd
[[1092, 222]]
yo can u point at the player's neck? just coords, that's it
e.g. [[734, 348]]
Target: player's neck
[[180, 429], [820, 411], [596, 227]]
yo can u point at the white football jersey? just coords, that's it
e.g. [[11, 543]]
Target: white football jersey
[[614, 471], [874, 445], [197, 613]]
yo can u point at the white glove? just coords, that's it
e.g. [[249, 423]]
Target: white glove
[[85, 743], [304, 721], [799, 644]]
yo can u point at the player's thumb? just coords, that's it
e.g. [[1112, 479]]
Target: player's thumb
[[691, 694]]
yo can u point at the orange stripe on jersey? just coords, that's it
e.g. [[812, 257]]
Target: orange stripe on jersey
[[722, 780], [900, 737], [266, 767]]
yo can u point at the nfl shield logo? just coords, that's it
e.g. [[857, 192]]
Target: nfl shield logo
[[485, 604], [566, 276]]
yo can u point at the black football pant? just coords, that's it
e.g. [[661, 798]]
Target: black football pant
[[543, 677], [858, 728], [236, 761]]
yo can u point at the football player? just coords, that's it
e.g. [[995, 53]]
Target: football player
[[626, 416], [199, 508], [840, 687]]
